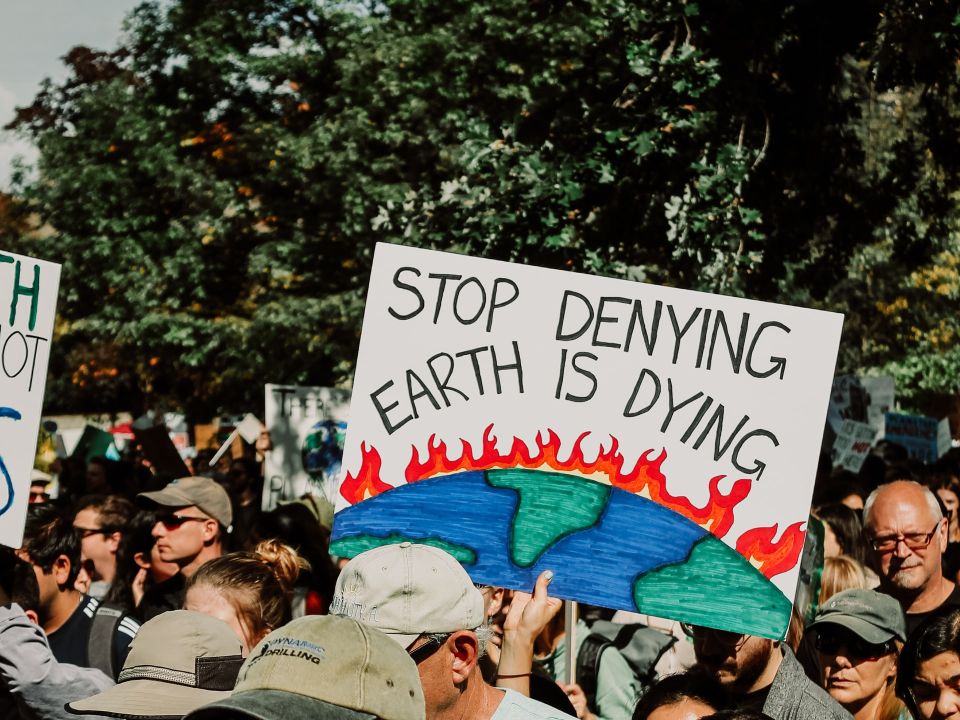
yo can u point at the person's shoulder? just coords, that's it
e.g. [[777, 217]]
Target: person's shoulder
[[515, 706], [805, 699]]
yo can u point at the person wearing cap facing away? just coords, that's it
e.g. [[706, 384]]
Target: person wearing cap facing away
[[179, 661], [858, 634], [424, 600], [193, 519], [324, 668]]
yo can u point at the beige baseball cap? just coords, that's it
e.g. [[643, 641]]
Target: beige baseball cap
[[206, 494], [326, 668], [406, 590], [178, 661]]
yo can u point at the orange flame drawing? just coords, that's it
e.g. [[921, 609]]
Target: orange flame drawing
[[769, 557], [367, 482], [646, 478]]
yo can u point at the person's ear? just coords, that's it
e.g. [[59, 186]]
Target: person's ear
[[465, 649], [943, 533], [61, 569], [211, 528], [113, 541], [496, 601], [141, 560], [32, 616]]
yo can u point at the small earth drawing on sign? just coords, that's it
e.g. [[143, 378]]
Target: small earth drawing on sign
[[322, 449]]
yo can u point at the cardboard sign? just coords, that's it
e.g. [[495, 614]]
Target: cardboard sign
[[655, 447], [863, 399], [158, 447], [925, 438], [852, 445], [28, 300], [307, 427]]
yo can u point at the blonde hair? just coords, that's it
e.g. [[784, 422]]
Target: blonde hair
[[259, 584], [892, 707], [840, 573]]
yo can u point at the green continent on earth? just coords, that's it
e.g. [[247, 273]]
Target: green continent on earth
[[353, 546], [718, 588], [551, 506]]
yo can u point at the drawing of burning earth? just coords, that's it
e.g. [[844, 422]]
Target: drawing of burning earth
[[508, 516]]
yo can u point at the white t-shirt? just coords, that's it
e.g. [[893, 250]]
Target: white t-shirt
[[515, 706]]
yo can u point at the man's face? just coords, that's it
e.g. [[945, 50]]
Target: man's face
[[901, 517], [180, 534], [738, 661], [97, 549], [442, 670]]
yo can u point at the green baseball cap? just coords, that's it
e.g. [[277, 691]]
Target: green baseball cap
[[873, 616], [327, 668]]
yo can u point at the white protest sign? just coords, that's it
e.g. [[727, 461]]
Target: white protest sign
[[864, 399], [852, 445], [306, 426], [711, 406], [28, 300]]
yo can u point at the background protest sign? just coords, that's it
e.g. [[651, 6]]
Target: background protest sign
[[307, 427], [28, 301], [925, 438], [655, 447], [852, 445], [863, 399]]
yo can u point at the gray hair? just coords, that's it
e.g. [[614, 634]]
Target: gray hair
[[483, 632], [932, 502]]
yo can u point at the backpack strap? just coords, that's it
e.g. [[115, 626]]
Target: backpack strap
[[103, 627], [588, 664]]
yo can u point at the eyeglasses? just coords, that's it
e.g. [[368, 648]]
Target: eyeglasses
[[914, 541], [720, 637], [427, 649], [88, 532], [829, 642], [172, 522]]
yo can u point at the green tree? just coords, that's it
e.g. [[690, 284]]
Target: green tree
[[217, 183]]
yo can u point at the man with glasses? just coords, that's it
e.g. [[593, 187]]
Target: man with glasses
[[422, 598], [193, 519], [79, 633], [907, 534], [762, 675], [101, 521]]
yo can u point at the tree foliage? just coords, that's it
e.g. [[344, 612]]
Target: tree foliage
[[217, 183]]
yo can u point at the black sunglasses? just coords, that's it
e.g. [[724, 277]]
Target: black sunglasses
[[829, 642], [172, 522], [427, 649], [720, 637]]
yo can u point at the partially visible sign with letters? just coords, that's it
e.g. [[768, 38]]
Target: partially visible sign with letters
[[307, 426], [852, 445], [28, 300], [925, 438]]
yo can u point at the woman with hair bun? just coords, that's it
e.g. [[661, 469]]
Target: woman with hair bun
[[250, 591]]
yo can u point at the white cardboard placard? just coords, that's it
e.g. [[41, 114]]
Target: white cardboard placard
[[453, 346], [28, 303]]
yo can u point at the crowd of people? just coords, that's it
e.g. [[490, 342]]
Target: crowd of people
[[138, 596]]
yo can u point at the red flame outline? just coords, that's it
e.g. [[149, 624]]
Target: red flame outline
[[772, 557], [646, 479]]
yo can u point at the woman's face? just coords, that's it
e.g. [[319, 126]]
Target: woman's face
[[936, 687], [854, 671], [207, 600], [950, 501], [831, 546]]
